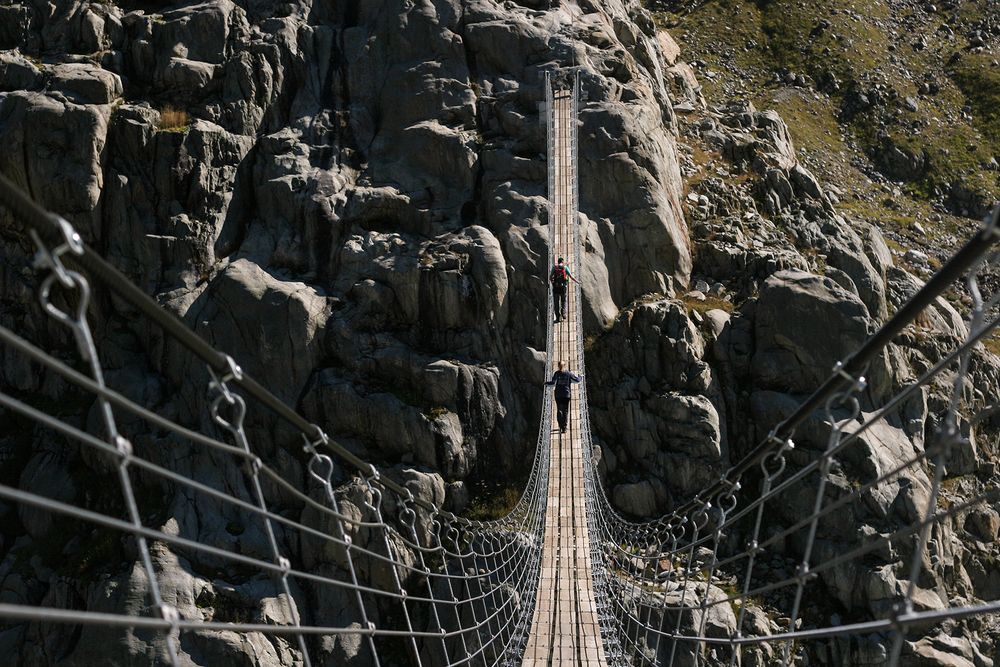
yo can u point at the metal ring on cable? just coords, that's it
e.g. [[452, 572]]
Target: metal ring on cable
[[318, 461], [678, 530], [73, 280], [728, 502], [375, 491], [436, 528], [453, 535], [407, 514], [702, 512], [321, 467], [50, 259], [239, 406], [221, 385], [777, 456], [840, 399]]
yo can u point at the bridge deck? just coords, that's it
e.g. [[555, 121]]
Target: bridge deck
[[565, 628]]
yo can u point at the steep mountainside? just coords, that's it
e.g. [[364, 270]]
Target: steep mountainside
[[349, 198], [894, 104]]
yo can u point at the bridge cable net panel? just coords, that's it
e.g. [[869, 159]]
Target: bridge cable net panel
[[399, 580], [719, 582]]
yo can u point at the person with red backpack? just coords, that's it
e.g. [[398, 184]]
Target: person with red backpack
[[560, 278]]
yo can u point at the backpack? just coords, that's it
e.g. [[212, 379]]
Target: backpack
[[559, 276]]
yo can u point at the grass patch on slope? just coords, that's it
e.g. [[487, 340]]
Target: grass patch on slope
[[493, 504], [979, 82], [871, 47]]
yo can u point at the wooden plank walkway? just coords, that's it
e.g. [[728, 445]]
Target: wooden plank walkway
[[565, 629]]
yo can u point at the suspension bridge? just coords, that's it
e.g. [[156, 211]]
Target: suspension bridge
[[563, 579], [566, 629]]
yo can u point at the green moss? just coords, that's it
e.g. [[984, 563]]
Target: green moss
[[810, 122], [899, 221]]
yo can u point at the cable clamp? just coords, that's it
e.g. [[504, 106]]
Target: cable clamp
[[169, 614], [898, 609], [255, 464], [50, 259], [233, 370], [220, 383], [321, 439], [857, 383], [124, 447]]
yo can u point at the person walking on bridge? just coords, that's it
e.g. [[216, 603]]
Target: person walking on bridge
[[560, 278], [562, 379]]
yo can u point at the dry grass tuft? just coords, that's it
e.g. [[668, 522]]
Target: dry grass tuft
[[173, 119]]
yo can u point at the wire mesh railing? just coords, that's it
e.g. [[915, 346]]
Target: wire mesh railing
[[397, 578], [730, 575]]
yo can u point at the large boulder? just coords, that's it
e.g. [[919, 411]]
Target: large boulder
[[655, 403], [258, 319], [805, 324], [54, 149]]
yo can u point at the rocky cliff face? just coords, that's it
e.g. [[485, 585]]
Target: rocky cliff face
[[786, 285], [349, 198], [374, 173]]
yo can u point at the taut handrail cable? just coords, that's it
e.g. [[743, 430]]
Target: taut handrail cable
[[49, 227]]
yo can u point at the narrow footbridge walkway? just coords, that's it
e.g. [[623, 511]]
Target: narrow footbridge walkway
[[565, 630]]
